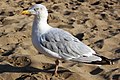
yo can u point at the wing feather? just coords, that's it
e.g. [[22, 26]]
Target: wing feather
[[64, 44]]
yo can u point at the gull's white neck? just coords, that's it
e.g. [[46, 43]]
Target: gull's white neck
[[40, 25]]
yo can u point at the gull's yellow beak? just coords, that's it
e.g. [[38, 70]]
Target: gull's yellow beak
[[26, 12]]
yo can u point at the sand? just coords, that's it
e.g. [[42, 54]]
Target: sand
[[94, 22]]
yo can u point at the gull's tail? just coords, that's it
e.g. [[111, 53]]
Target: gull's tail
[[104, 61]]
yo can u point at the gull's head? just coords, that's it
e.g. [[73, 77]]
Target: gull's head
[[38, 10]]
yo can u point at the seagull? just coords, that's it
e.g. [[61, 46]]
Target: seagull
[[58, 43]]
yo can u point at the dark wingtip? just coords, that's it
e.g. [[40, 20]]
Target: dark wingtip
[[105, 61]]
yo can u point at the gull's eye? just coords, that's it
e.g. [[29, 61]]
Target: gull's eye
[[36, 9]]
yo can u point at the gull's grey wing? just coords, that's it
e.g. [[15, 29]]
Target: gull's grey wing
[[67, 46]]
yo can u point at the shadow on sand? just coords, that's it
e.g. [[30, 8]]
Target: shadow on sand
[[27, 69]]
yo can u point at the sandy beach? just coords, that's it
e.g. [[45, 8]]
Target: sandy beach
[[94, 22]]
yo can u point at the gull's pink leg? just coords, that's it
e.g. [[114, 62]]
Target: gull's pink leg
[[56, 68]]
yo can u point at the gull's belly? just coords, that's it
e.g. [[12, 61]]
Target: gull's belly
[[36, 44]]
